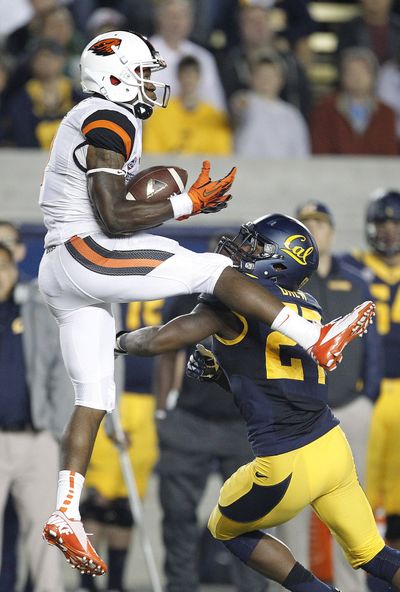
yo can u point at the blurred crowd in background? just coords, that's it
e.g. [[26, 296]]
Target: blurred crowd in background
[[259, 78]]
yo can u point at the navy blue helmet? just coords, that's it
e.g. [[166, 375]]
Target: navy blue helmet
[[276, 247], [384, 205]]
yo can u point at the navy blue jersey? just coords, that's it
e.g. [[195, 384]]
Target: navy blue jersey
[[280, 391]]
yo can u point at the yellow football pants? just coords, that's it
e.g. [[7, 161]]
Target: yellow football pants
[[272, 490]]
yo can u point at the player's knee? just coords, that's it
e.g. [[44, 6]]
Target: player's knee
[[384, 565], [96, 395], [243, 545], [220, 527]]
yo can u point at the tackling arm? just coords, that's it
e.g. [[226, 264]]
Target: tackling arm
[[180, 332]]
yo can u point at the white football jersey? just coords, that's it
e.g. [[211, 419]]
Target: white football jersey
[[64, 197]]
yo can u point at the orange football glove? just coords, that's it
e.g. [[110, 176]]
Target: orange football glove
[[205, 193]]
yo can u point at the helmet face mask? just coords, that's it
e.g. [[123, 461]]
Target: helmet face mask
[[246, 248], [117, 66], [383, 223], [277, 247]]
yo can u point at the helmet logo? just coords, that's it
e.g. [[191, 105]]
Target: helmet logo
[[295, 251], [105, 46]]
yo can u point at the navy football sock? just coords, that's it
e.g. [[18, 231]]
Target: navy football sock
[[302, 580], [384, 565]]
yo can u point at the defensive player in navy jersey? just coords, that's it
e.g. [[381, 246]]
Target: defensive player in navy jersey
[[301, 454]]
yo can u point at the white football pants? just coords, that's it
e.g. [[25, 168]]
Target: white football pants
[[83, 277]]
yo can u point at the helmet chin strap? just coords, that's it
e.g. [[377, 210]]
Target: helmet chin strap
[[142, 111]]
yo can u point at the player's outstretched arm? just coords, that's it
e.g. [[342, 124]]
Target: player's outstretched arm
[[180, 332], [324, 343]]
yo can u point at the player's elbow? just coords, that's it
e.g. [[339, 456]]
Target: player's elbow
[[116, 222], [112, 225]]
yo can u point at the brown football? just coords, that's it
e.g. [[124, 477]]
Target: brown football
[[157, 183]]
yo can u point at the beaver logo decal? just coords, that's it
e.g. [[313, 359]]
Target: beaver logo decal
[[105, 46]]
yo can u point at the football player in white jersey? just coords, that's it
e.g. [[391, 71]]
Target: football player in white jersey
[[97, 253]]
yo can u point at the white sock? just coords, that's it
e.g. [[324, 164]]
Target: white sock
[[69, 492], [304, 332]]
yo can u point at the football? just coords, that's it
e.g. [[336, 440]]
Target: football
[[157, 183]]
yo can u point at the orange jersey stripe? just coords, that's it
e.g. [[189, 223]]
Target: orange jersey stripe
[[113, 127], [94, 257]]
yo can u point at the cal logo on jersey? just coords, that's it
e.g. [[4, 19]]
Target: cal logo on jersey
[[105, 46], [295, 250]]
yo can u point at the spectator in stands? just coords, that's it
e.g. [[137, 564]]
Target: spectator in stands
[[35, 400], [204, 428], [376, 28], [174, 22], [57, 25], [106, 511], [10, 236], [299, 26], [37, 109], [190, 125], [258, 37], [18, 41], [216, 23], [105, 19], [388, 88], [354, 121], [140, 15], [268, 127]]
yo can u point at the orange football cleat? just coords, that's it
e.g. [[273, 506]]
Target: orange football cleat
[[70, 537], [336, 334]]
